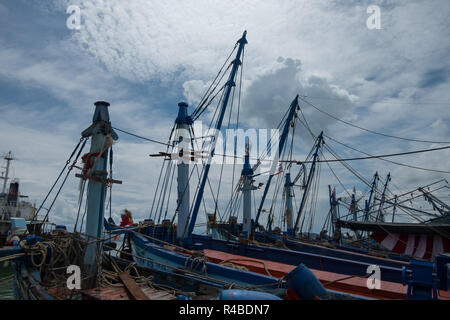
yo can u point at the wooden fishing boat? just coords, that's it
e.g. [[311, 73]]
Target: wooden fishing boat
[[337, 262], [42, 263]]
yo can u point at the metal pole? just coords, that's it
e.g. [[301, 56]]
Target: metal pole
[[247, 188], [229, 85], [8, 159], [395, 208], [372, 189], [308, 183], [289, 212], [383, 198], [98, 131], [283, 138], [183, 122]]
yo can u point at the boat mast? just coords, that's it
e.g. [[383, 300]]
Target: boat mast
[[368, 202], [283, 138], [354, 211], [183, 123], [101, 134], [308, 182], [383, 198], [334, 214], [228, 86], [435, 202], [289, 196], [8, 157], [247, 188], [395, 208]]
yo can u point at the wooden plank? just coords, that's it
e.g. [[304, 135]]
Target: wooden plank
[[132, 287], [96, 178]]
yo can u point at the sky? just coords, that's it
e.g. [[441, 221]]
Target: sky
[[144, 57]]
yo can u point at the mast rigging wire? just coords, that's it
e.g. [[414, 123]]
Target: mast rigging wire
[[361, 178], [368, 130], [331, 160]]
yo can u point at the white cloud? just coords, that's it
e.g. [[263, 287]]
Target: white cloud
[[369, 77]]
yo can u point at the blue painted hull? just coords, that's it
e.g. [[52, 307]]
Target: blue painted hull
[[167, 260], [318, 258], [313, 256], [163, 259], [26, 283], [338, 252]]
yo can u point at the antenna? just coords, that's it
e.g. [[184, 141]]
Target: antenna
[[5, 175]]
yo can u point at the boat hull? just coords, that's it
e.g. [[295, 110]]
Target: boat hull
[[168, 260], [314, 257]]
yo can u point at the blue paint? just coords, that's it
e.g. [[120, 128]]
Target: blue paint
[[308, 182], [100, 128], [422, 282], [236, 294], [313, 256], [289, 197], [142, 247], [229, 85], [283, 138]]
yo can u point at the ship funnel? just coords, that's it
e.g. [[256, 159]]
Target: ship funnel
[[14, 188]]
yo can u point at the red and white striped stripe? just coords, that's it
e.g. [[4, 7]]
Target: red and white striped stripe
[[419, 246]]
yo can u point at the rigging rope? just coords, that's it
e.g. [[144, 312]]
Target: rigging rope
[[368, 130], [204, 98], [65, 178], [334, 160], [141, 137], [363, 180], [59, 176]]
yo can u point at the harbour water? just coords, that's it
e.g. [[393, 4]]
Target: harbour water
[[6, 287]]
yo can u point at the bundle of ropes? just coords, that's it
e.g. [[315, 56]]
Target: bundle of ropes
[[53, 255], [60, 249]]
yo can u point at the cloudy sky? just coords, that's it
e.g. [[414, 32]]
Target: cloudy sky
[[145, 56]]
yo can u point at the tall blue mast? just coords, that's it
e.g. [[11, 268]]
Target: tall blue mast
[[283, 138], [308, 182], [383, 198], [368, 202], [101, 133], [289, 198], [228, 86]]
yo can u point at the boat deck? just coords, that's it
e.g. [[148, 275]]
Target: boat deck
[[338, 282], [121, 293]]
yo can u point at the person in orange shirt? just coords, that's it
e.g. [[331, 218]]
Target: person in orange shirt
[[127, 220]]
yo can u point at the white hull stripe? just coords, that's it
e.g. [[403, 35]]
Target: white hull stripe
[[410, 245], [422, 247], [390, 241], [438, 246]]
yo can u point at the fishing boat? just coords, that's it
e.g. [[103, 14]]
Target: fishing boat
[[42, 263], [331, 262], [175, 257], [16, 214], [424, 238]]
